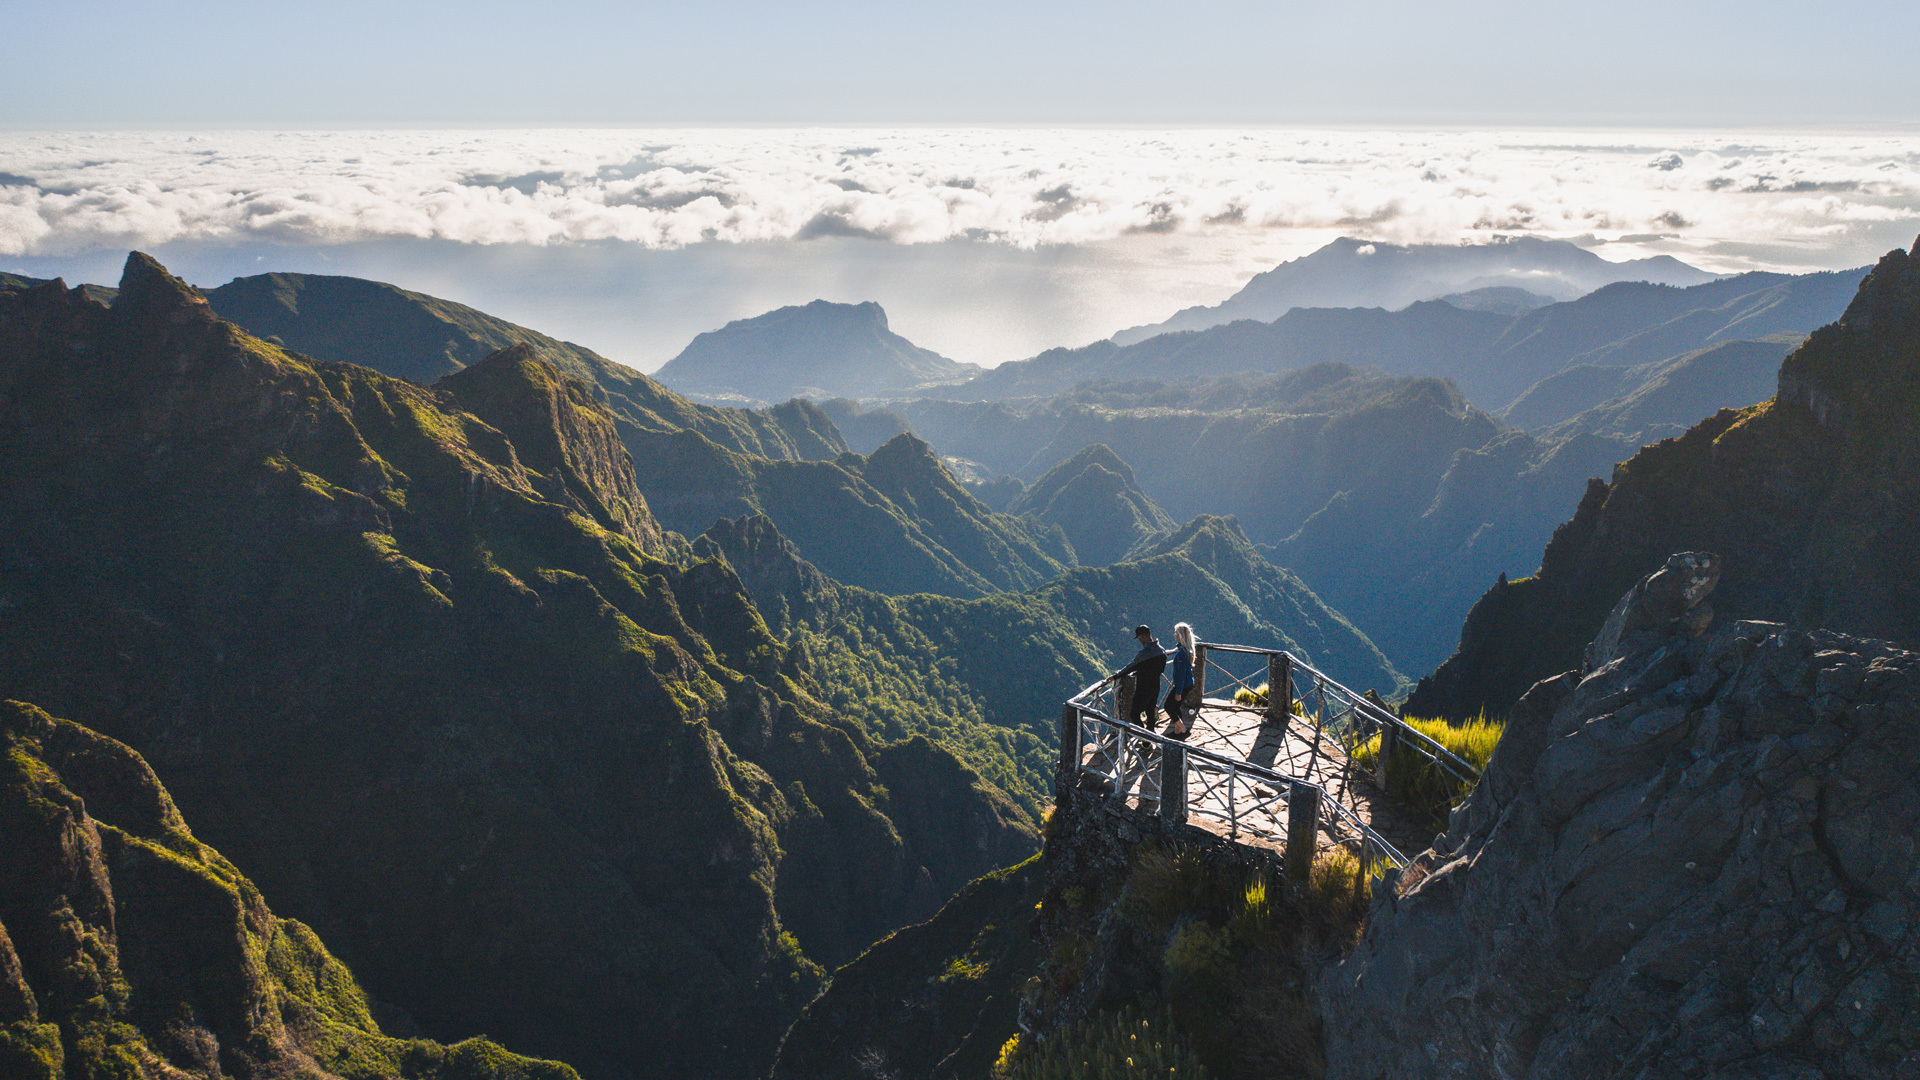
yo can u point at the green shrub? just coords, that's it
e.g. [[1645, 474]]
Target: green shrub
[[1419, 784], [1121, 1045]]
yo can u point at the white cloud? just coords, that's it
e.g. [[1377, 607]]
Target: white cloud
[[1714, 199]]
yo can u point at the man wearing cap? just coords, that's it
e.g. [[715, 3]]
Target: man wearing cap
[[1146, 667]]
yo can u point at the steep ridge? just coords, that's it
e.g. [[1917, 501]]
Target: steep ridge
[[411, 335], [1094, 499], [1674, 394], [1492, 356], [422, 684], [1427, 338], [895, 521], [1350, 272], [1732, 374], [934, 1000], [821, 350], [129, 948], [1812, 499], [1690, 856]]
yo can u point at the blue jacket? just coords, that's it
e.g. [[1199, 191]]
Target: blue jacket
[[1182, 670]]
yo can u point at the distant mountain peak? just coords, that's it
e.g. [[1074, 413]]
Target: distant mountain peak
[[148, 291], [819, 350], [1352, 272], [1869, 361], [1094, 498]]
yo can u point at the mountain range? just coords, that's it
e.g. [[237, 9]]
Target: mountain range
[[1354, 273], [412, 657], [1493, 356], [1811, 499]]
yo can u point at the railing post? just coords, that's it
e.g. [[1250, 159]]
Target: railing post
[[1173, 783], [1118, 796], [1303, 822], [1067, 775], [1199, 692], [1389, 742], [1279, 688]]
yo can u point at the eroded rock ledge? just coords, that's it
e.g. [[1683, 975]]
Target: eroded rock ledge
[[1695, 857]]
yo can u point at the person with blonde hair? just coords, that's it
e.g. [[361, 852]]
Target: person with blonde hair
[[1179, 720]]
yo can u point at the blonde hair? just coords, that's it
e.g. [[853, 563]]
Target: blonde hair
[[1183, 637]]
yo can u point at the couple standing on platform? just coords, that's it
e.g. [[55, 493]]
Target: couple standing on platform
[[1147, 666]]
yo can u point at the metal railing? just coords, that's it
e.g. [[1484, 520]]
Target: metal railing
[[1249, 794], [1334, 711]]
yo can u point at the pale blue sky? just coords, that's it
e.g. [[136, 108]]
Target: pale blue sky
[[1751, 62]]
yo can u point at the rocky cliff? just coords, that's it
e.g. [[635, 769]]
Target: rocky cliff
[[128, 948], [1691, 856], [1812, 499], [403, 655]]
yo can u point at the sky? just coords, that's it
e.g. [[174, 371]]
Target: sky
[[1480, 62], [1001, 177]]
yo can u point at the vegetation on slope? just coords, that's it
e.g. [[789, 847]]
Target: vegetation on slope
[[130, 949], [423, 338], [1094, 499], [405, 654], [986, 676]]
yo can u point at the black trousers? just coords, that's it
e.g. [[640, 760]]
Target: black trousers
[[1176, 705], [1140, 710]]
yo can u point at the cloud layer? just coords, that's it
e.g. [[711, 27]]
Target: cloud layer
[[1726, 202]]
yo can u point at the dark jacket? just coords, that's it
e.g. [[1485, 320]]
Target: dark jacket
[[1147, 665], [1182, 670]]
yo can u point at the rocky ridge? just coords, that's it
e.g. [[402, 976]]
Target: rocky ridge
[[1691, 857]]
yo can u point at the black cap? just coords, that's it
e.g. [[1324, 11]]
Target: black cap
[[1143, 628]]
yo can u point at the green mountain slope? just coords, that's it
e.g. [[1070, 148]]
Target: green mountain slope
[[896, 521], [1094, 499], [403, 654], [128, 948], [1812, 501], [933, 1000], [411, 335]]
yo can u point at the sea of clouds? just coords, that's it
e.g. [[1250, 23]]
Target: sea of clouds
[[986, 244], [1724, 199]]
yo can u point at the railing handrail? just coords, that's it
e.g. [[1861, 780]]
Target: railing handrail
[[1453, 762], [1258, 772]]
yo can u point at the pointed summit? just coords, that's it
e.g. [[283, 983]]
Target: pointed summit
[[1095, 499], [1867, 363], [148, 292]]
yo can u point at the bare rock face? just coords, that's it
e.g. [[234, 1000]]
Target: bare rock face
[[1695, 859]]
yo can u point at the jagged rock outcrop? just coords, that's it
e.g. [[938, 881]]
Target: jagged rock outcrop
[[1094, 499], [1812, 499], [128, 948], [1693, 857]]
